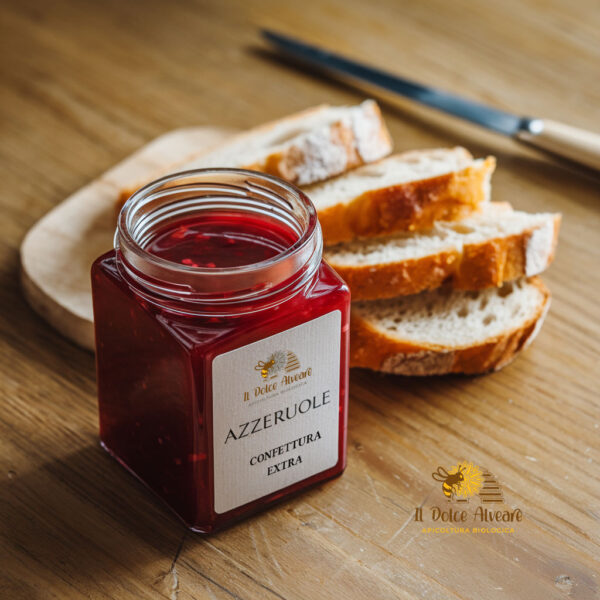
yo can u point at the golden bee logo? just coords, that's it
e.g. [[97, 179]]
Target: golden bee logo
[[459, 484], [465, 480], [279, 361]]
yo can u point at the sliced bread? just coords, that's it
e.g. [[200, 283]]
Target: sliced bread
[[404, 192], [302, 148], [448, 331], [485, 250]]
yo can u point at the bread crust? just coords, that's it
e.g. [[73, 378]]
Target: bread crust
[[299, 163], [477, 266], [410, 206], [371, 349]]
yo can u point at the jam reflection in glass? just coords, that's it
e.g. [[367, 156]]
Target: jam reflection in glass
[[207, 263]]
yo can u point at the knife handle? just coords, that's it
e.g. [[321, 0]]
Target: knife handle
[[570, 142]]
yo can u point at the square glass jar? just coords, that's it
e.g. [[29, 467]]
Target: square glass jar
[[221, 345]]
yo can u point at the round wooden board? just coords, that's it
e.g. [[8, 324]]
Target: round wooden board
[[57, 253]]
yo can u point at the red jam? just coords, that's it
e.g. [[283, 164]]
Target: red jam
[[222, 342], [220, 240]]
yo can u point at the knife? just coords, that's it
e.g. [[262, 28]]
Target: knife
[[564, 140]]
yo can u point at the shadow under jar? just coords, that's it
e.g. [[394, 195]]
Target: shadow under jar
[[221, 345]]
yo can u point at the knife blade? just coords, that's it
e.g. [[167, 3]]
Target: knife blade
[[576, 144], [491, 118]]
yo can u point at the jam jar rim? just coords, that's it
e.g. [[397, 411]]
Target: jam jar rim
[[303, 255]]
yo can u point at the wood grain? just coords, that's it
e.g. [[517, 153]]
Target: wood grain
[[84, 85], [58, 252]]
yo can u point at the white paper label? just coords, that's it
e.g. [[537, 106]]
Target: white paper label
[[276, 411]]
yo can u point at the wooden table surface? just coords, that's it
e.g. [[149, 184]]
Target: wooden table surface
[[84, 83]]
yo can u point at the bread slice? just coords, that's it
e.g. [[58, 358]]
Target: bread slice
[[448, 331], [485, 250], [404, 192], [302, 148]]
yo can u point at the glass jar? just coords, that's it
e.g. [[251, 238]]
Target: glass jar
[[221, 345]]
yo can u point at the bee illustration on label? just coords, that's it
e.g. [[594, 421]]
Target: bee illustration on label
[[265, 367], [278, 361], [451, 483]]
